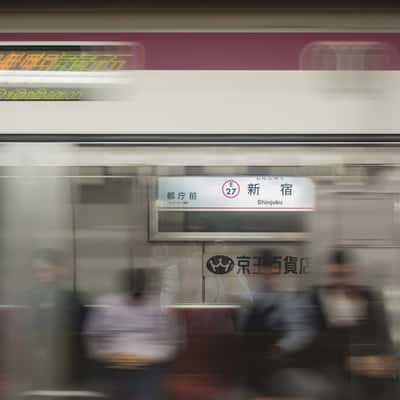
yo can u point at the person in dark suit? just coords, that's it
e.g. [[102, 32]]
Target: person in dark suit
[[353, 348], [55, 320], [275, 327]]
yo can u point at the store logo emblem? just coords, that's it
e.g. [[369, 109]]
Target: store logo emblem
[[220, 264]]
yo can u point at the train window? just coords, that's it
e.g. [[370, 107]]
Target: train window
[[117, 217], [354, 227], [105, 216]]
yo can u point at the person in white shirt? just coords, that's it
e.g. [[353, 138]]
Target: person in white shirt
[[134, 336]]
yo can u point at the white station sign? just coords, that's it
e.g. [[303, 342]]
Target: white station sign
[[252, 193]]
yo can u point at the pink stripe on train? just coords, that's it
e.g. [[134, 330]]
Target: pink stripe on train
[[225, 51]]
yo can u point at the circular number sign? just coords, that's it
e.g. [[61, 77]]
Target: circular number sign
[[230, 189]]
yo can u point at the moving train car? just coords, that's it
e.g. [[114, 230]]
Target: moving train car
[[202, 149]]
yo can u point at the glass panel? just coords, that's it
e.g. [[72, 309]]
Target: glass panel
[[98, 216]]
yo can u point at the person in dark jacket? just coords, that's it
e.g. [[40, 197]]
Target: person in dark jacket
[[55, 320], [275, 327], [353, 348]]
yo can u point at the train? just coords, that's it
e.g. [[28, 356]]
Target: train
[[208, 147]]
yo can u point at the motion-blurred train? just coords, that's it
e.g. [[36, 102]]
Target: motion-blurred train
[[191, 151]]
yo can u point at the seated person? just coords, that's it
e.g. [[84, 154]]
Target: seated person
[[353, 349], [275, 327], [134, 337]]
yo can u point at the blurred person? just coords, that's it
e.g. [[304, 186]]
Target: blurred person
[[54, 324], [134, 337], [276, 327], [353, 349]]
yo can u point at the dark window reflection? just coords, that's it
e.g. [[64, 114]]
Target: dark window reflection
[[207, 221]]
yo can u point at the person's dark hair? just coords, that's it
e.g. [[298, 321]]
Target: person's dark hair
[[339, 257], [51, 256], [134, 282], [267, 259]]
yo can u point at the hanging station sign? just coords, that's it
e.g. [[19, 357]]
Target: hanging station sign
[[252, 193]]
